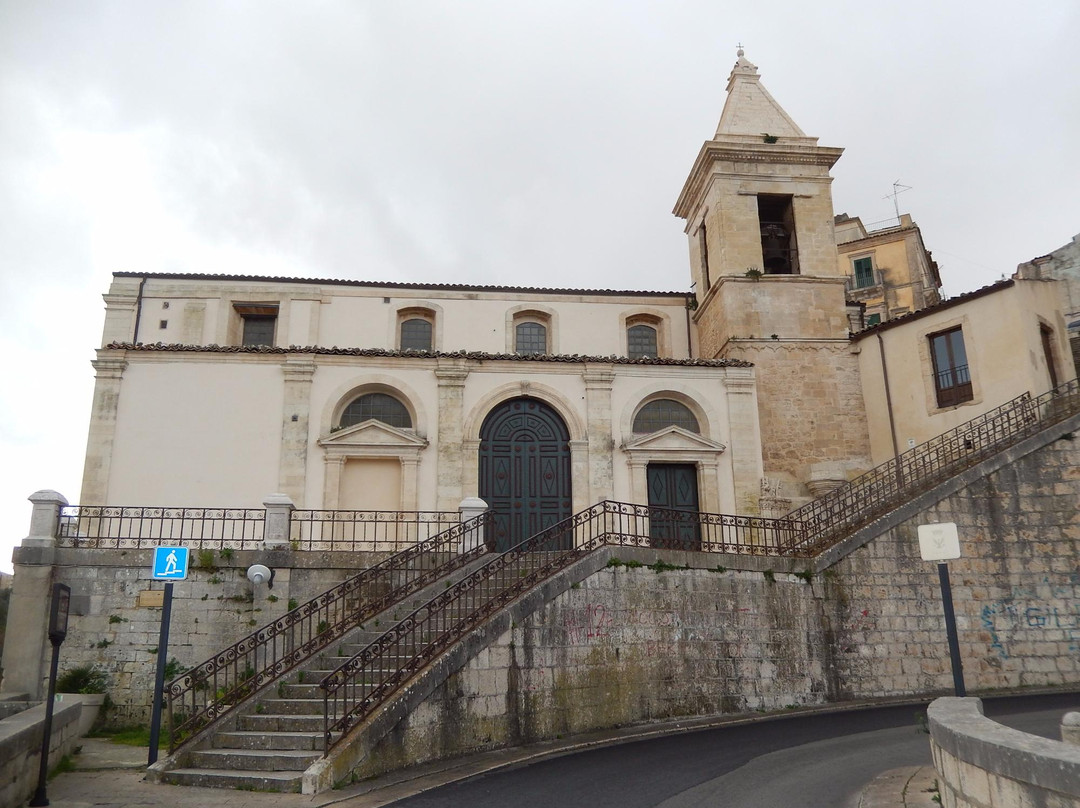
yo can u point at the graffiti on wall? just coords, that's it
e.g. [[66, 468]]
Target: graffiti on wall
[[1048, 607]]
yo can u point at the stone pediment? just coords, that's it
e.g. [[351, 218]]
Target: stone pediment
[[673, 439], [372, 433]]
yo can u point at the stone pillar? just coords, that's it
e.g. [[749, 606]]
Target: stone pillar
[[296, 417], [99, 444], [276, 530], [744, 442], [451, 455], [470, 508], [598, 427], [25, 666], [1070, 728]]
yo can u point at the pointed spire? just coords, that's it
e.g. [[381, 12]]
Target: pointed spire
[[749, 109]]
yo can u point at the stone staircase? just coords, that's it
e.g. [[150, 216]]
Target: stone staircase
[[269, 741]]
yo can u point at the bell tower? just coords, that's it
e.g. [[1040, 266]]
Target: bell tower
[[759, 219]]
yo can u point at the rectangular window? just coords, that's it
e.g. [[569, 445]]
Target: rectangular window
[[864, 272], [952, 379], [258, 322], [530, 338], [641, 342], [416, 334]]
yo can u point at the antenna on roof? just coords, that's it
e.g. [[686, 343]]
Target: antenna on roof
[[897, 189]]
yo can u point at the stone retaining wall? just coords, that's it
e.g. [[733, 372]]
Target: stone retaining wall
[[20, 747]]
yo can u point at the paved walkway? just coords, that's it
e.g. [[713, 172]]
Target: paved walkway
[[110, 775]]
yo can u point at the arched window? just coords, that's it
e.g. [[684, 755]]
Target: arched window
[[530, 338], [416, 334], [378, 406], [661, 413], [641, 342]]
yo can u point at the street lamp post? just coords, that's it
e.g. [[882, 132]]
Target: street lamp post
[[58, 620]]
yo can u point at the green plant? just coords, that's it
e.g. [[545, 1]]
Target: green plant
[[66, 764], [661, 566], [103, 643], [83, 679], [213, 579], [273, 598], [245, 598], [765, 136], [323, 626], [719, 568], [292, 604], [115, 618], [204, 597], [775, 336], [300, 678], [204, 560], [226, 553], [252, 622], [132, 735], [769, 576], [614, 563], [294, 545], [807, 575], [173, 668], [260, 709], [753, 272]]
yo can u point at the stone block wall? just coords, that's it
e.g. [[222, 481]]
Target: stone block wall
[[1016, 589], [624, 646], [116, 620]]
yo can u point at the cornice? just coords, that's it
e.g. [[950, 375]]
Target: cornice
[[715, 151]]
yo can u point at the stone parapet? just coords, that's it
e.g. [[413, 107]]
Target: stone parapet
[[982, 764]]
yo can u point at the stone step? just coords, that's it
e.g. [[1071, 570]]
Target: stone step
[[280, 706], [281, 723], [284, 782], [273, 739], [258, 760]]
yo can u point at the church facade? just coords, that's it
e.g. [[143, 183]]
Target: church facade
[[215, 391]]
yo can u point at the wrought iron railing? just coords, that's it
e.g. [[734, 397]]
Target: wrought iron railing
[[114, 527], [214, 687], [870, 496], [366, 530], [360, 685], [356, 688]]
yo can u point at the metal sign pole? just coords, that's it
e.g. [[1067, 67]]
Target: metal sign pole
[[950, 630], [159, 677]]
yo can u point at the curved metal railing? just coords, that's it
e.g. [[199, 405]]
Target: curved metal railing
[[213, 688]]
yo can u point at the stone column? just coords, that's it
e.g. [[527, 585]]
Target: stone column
[[470, 508], [277, 529], [744, 442], [25, 658], [451, 375], [296, 417], [110, 367], [598, 383]]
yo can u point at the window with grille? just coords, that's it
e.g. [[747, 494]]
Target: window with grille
[[641, 342], [864, 272], [416, 334], [530, 338], [952, 378], [379, 407], [662, 413]]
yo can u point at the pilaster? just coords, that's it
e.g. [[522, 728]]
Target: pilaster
[[109, 367], [744, 450], [598, 382], [296, 418], [451, 377]]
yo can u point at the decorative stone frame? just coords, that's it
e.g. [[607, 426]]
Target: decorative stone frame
[[422, 310], [579, 444], [372, 439], [532, 313], [654, 318], [676, 445]]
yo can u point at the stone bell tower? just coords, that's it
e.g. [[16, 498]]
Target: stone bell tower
[[759, 217]]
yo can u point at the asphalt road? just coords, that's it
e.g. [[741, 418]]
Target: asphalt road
[[794, 762]]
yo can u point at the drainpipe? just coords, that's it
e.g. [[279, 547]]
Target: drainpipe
[[689, 338], [138, 310], [888, 404]]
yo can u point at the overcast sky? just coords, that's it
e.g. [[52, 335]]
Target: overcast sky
[[480, 142]]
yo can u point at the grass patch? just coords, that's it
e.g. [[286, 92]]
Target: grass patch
[[130, 736]]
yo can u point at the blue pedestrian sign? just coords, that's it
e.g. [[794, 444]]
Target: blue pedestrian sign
[[170, 563]]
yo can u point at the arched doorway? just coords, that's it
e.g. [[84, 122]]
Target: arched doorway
[[525, 469]]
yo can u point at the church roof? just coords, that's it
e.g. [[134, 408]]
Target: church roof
[[449, 287], [479, 356], [750, 109]]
